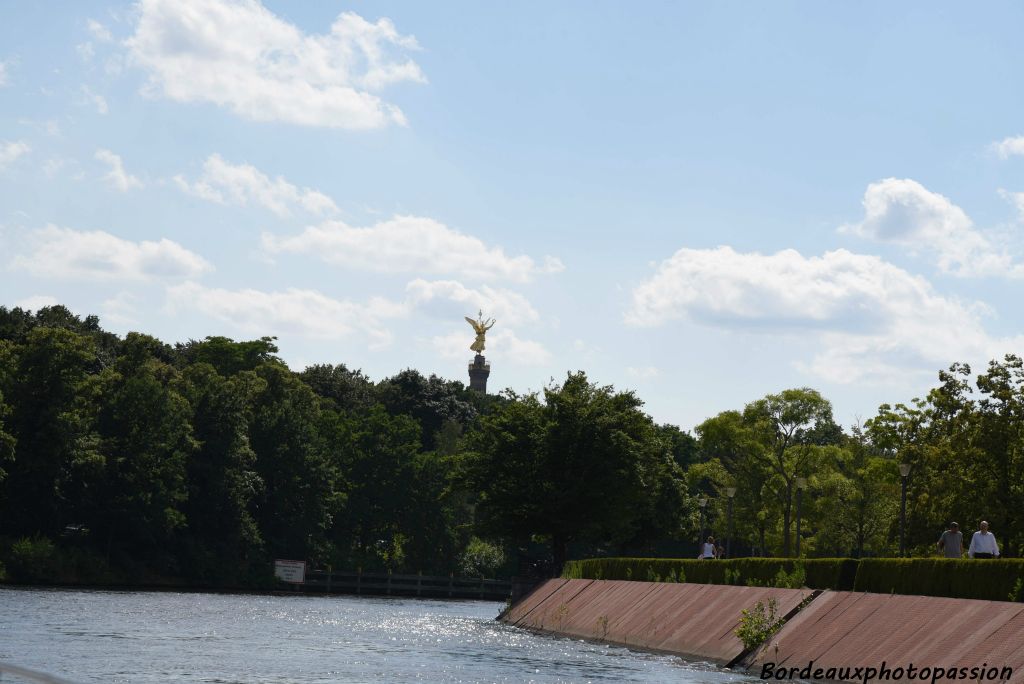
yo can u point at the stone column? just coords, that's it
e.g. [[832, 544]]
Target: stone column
[[478, 372]]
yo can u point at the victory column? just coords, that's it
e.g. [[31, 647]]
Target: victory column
[[479, 369]]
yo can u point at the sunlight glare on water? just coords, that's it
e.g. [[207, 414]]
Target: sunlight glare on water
[[93, 636]]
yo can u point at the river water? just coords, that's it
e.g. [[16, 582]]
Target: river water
[[113, 636]]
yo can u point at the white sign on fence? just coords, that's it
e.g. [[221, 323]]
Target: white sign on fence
[[290, 571]]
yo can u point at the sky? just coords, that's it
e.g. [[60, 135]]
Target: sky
[[704, 202]]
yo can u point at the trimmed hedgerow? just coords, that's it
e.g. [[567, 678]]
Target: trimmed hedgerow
[[994, 580], [819, 573]]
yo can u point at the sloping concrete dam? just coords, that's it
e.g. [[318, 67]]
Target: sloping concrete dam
[[830, 629]]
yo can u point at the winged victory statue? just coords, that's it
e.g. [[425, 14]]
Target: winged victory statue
[[480, 326]]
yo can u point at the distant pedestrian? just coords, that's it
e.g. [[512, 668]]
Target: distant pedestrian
[[983, 543], [951, 543], [708, 549]]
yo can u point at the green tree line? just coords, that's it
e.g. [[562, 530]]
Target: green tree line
[[204, 460]]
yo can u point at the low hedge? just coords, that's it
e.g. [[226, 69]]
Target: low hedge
[[994, 580], [820, 573]]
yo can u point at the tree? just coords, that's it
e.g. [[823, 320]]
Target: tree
[[52, 393], [222, 482], [787, 423], [146, 439], [570, 468]]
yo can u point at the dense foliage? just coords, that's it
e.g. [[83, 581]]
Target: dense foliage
[[132, 459]]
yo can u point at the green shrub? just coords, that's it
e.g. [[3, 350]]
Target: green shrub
[[34, 560], [758, 624], [993, 580], [818, 573], [481, 559]]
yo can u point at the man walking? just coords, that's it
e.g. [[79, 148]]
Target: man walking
[[951, 543], [983, 543]]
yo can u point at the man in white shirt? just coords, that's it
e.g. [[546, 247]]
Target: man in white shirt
[[983, 544]]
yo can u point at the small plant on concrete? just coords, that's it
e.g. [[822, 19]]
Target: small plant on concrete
[[602, 623], [758, 624], [1017, 593]]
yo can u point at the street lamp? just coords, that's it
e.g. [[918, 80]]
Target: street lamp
[[801, 485], [904, 474], [702, 501], [730, 492]]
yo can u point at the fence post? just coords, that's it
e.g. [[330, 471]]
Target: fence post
[[451, 579], [389, 581], [330, 571], [359, 580], [481, 587], [419, 583]]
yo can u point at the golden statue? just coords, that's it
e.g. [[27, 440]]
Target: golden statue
[[480, 326]]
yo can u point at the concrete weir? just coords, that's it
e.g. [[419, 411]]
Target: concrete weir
[[830, 628], [693, 620]]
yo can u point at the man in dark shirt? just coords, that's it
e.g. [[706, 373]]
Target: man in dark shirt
[[951, 543]]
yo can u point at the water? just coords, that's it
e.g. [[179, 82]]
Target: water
[[107, 636]]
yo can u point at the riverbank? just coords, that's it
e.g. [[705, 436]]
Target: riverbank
[[834, 630]]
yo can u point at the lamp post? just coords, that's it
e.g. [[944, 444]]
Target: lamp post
[[730, 492], [904, 474], [801, 485], [702, 501]]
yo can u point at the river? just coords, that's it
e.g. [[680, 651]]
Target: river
[[129, 636]]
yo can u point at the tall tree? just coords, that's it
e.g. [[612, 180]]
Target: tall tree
[[788, 423]]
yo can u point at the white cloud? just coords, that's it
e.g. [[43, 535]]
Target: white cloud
[[99, 31], [904, 212], [239, 55], [308, 313], [409, 243], [503, 345], [871, 319], [96, 100], [122, 309], [36, 302], [509, 307], [56, 252], [117, 177], [11, 150], [4, 78], [1016, 199], [1009, 147], [243, 184]]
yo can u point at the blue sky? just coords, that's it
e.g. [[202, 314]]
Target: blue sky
[[705, 202]]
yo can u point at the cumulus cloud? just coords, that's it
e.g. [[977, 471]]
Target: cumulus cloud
[[1008, 147], [502, 345], [904, 212], [243, 184], [308, 313], [117, 177], [509, 307], [55, 252], [239, 55], [409, 243], [871, 319], [11, 150]]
